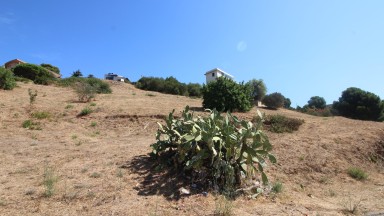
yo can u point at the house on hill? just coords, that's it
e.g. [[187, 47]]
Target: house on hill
[[13, 63], [216, 73], [114, 77]]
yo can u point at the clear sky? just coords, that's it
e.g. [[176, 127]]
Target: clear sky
[[299, 48]]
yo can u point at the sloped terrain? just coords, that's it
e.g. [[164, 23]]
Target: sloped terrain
[[100, 162]]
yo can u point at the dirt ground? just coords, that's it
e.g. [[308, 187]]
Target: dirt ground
[[99, 163]]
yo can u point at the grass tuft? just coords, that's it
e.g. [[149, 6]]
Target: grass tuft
[[41, 115], [49, 181], [85, 111], [357, 173], [277, 187]]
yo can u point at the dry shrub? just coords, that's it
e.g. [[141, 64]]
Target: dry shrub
[[281, 124]]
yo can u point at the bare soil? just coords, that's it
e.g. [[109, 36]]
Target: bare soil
[[101, 166]]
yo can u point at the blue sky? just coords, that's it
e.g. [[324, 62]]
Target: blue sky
[[299, 48]]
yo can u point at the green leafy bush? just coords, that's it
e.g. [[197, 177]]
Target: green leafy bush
[[7, 80], [358, 104], [41, 115], [51, 68], [317, 102], [217, 150], [85, 92], [281, 124], [77, 74], [37, 74], [227, 95], [169, 85], [287, 103], [29, 124], [85, 111], [274, 100], [357, 173], [277, 187], [258, 89], [98, 86]]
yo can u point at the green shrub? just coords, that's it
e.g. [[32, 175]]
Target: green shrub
[[281, 124], [29, 124], [7, 80], [258, 89], [49, 181], [277, 187], [170, 85], [358, 104], [85, 92], [37, 74], [217, 150], [274, 100], [227, 95], [51, 68], [194, 90], [41, 115], [85, 111], [317, 102], [99, 86], [357, 173], [287, 103], [77, 74], [32, 96]]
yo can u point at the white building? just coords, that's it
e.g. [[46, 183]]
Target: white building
[[216, 73], [114, 77]]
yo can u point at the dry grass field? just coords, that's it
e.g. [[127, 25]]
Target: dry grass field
[[98, 164]]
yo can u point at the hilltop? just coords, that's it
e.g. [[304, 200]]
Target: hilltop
[[99, 162]]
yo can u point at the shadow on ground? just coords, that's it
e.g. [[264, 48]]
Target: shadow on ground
[[154, 181]]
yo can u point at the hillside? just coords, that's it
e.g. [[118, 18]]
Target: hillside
[[100, 163]]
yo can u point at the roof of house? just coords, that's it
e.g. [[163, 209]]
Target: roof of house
[[15, 60], [218, 69]]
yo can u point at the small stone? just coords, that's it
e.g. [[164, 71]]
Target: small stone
[[184, 191], [205, 193]]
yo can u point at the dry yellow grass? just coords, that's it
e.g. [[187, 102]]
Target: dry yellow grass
[[101, 164]]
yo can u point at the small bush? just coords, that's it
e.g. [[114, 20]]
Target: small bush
[[85, 92], [223, 206], [95, 175], [51, 68], [274, 100], [281, 124], [357, 173], [29, 124], [41, 115], [7, 80], [277, 187], [49, 181], [95, 85], [69, 106], [37, 74], [85, 111], [326, 112], [226, 95]]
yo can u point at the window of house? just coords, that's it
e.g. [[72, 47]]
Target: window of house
[[213, 74]]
